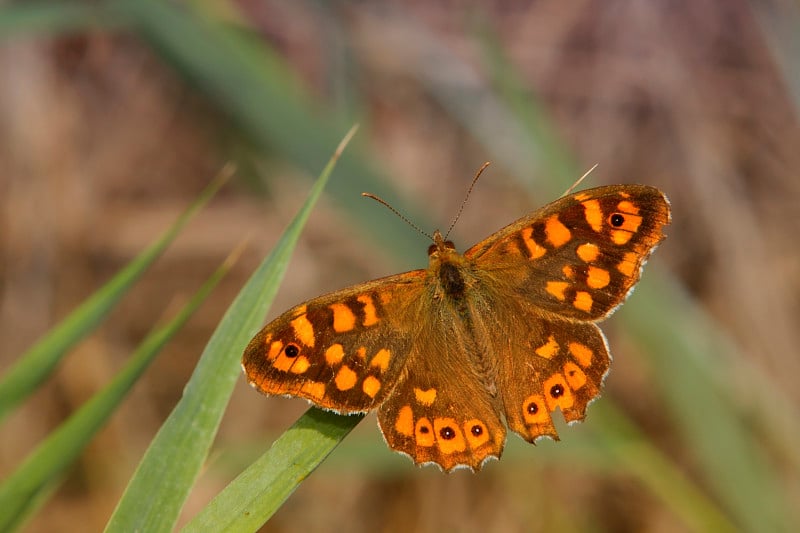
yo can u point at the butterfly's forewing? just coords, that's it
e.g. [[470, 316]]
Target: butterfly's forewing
[[553, 274], [343, 351], [579, 256]]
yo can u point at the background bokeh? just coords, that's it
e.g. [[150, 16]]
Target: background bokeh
[[114, 115]]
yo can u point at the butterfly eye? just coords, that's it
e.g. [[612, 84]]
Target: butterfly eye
[[556, 391], [616, 220], [447, 433], [291, 350], [533, 408], [431, 249]]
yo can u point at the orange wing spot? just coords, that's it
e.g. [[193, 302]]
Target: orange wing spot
[[304, 330], [583, 301], [371, 386], [583, 354], [621, 237], [557, 288], [334, 354], [628, 264], [362, 353], [425, 397], [624, 194], [588, 252], [423, 432], [385, 297], [569, 273], [449, 436], [594, 214], [345, 378], [630, 225], [381, 360], [557, 393], [575, 376], [476, 432], [557, 233], [627, 207], [343, 318], [275, 350], [405, 421], [534, 249], [283, 363], [301, 364], [533, 410], [597, 278], [314, 389], [581, 196], [548, 349], [370, 315]]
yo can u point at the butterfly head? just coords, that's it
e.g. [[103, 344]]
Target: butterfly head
[[440, 246]]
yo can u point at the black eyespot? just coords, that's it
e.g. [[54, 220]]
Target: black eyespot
[[556, 391], [292, 350], [477, 430], [617, 220], [533, 408], [447, 433], [424, 429]]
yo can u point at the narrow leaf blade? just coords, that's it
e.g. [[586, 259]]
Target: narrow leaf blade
[[161, 483]]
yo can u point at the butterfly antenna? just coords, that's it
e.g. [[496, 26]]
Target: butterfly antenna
[[469, 191], [578, 182], [396, 212]]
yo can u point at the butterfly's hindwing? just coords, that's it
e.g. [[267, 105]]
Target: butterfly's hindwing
[[558, 364], [441, 410]]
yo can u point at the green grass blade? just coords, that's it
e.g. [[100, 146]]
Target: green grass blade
[[161, 483], [254, 496], [28, 487], [35, 365]]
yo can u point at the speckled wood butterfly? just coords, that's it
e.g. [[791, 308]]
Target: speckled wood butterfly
[[505, 331]]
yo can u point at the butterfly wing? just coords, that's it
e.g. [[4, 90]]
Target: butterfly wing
[[579, 256], [443, 410], [553, 274], [555, 364], [343, 351]]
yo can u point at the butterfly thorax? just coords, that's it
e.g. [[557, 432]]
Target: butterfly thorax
[[448, 266], [454, 286]]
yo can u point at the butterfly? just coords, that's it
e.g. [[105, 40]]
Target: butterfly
[[497, 337]]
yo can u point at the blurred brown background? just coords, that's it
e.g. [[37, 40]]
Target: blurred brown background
[[104, 140]]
